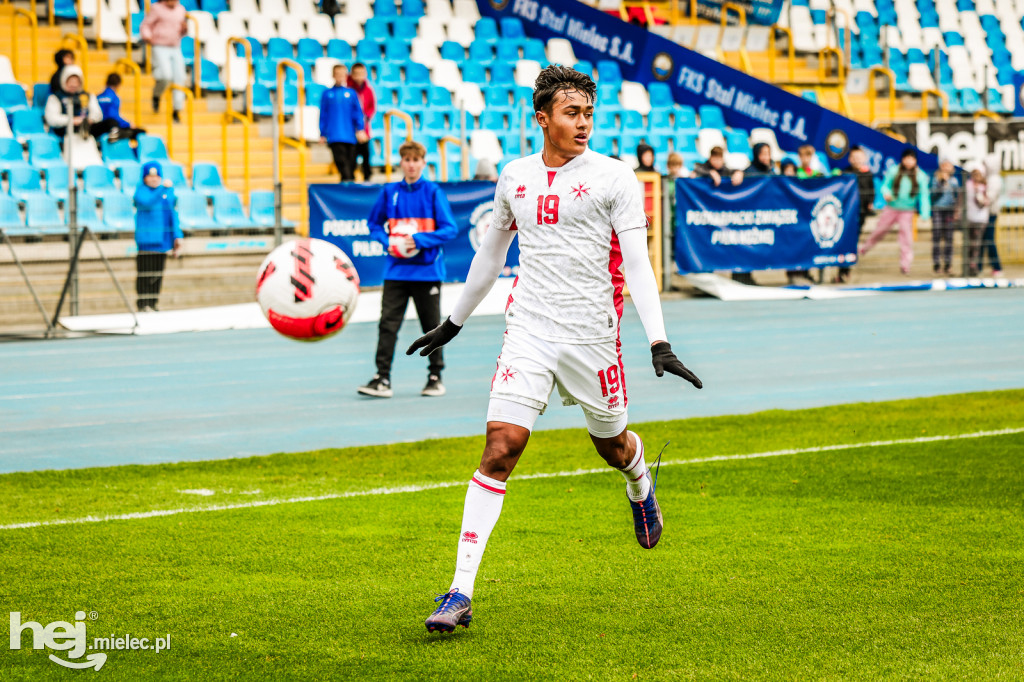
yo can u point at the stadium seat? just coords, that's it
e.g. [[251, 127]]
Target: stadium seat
[[492, 119], [98, 181], [261, 210], [278, 49], [262, 28], [130, 173], [320, 29], [487, 30], [57, 181], [86, 215], [151, 148], [11, 155], [711, 117], [460, 30], [116, 153], [474, 72], [228, 211], [210, 77], [737, 142], [12, 98], [439, 96], [292, 28], [453, 51], [368, 52], [481, 52], [118, 213], [559, 51], [26, 124], [533, 49], [173, 172], [709, 138], [634, 97], [339, 50], [506, 51], [5, 128], [424, 53], [412, 8], [404, 28], [41, 214], [11, 221], [23, 182], [192, 211], [608, 73], [498, 99], [308, 51], [396, 51], [40, 93], [348, 29], [206, 179], [526, 72], [314, 93]]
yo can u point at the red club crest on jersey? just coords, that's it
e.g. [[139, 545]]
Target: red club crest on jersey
[[580, 190], [521, 192]]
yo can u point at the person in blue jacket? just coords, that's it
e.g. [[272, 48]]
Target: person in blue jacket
[[156, 233], [412, 219], [341, 123], [110, 105]]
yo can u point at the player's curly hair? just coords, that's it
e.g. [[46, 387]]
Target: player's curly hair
[[557, 78]]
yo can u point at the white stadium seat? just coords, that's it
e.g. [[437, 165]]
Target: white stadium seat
[[243, 8], [920, 77], [425, 52], [207, 26], [461, 31], [466, 9], [310, 131], [275, 9], [431, 30], [323, 71], [527, 71], [439, 10], [708, 138], [348, 29], [559, 51], [6, 72], [292, 29], [320, 28], [484, 144], [262, 28], [767, 136], [359, 10], [231, 25], [468, 96], [5, 128], [305, 9], [634, 97], [446, 74]]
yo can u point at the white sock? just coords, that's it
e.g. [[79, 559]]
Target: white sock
[[483, 506], [638, 486]]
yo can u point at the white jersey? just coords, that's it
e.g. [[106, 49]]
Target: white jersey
[[569, 287]]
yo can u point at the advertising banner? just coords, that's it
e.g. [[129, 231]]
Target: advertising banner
[[968, 140], [338, 212], [746, 101], [766, 223]]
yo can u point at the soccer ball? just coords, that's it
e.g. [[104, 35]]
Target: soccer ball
[[400, 232], [307, 289]]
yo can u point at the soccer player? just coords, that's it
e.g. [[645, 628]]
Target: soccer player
[[582, 232]]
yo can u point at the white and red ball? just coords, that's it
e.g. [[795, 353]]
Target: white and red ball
[[308, 289]]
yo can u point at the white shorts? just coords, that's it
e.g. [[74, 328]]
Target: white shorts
[[588, 375]]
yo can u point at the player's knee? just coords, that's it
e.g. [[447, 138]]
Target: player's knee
[[505, 443]]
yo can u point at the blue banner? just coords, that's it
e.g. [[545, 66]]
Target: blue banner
[[746, 101], [766, 223], [765, 12], [338, 212], [1018, 94]]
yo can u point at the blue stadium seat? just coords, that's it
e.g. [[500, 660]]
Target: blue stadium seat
[[44, 152], [41, 214], [503, 74], [192, 211], [660, 121], [376, 29], [435, 121], [481, 51], [711, 117], [40, 93], [255, 48], [412, 8], [190, 5], [339, 49], [308, 51], [115, 154], [291, 98], [512, 144], [685, 143], [453, 51], [492, 119], [602, 144], [412, 99], [86, 213], [439, 97], [368, 52], [261, 209], [605, 120], [11, 221], [314, 93], [151, 148], [608, 97], [660, 95], [210, 77], [386, 97], [27, 123], [265, 74], [497, 98], [512, 29], [385, 8], [64, 9], [585, 67], [523, 96], [206, 179], [173, 172], [389, 74], [228, 211], [506, 52], [118, 213], [608, 73], [12, 98], [214, 7], [417, 74], [278, 49], [534, 49], [404, 28], [738, 141], [396, 51], [261, 102], [631, 120], [660, 142], [24, 182], [628, 143], [474, 72], [57, 181], [487, 30], [970, 101], [99, 181], [130, 173], [11, 154], [188, 50]]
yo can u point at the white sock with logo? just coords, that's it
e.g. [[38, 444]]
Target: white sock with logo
[[483, 506], [638, 486]]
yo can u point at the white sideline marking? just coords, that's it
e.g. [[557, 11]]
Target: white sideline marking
[[205, 492], [456, 484]]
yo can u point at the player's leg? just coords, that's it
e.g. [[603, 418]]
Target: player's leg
[[393, 302], [426, 296]]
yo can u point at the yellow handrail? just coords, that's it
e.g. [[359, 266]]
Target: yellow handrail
[[791, 59], [987, 114], [82, 58], [229, 99], [128, 28], [130, 66], [149, 48], [741, 13], [190, 110], [197, 56], [943, 102], [231, 115], [33, 25], [872, 95], [824, 70], [443, 152], [387, 137], [848, 22], [81, 19], [50, 9], [298, 145], [96, 25]]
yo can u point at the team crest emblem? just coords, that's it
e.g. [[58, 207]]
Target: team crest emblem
[[508, 374], [580, 191], [479, 223], [827, 221]]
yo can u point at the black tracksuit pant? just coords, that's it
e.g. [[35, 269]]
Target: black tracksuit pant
[[426, 296]]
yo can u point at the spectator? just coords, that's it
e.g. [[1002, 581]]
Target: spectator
[[62, 58], [163, 28], [357, 82], [85, 110], [787, 167], [341, 123], [485, 170], [716, 169], [858, 165], [945, 198], [905, 191], [156, 233], [809, 166], [412, 219], [676, 169], [645, 158], [112, 122], [978, 213], [761, 161], [994, 183]]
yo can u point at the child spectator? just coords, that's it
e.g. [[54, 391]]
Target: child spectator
[[905, 191], [809, 166], [342, 123], [945, 201], [112, 122], [787, 167], [866, 186], [156, 233], [716, 169], [977, 213], [760, 161], [676, 168]]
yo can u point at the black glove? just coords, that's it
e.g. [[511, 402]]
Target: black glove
[[435, 338], [665, 360]]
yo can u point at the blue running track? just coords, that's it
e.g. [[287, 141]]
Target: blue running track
[[113, 400]]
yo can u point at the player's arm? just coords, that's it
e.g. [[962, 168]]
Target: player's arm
[[483, 271], [445, 228]]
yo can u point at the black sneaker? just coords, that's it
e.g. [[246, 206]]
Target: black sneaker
[[434, 387], [378, 387]]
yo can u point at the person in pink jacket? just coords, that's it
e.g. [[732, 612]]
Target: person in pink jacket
[[163, 28]]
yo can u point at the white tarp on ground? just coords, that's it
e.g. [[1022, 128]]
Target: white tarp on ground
[[729, 290], [249, 316]]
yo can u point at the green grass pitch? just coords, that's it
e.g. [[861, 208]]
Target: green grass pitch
[[898, 561]]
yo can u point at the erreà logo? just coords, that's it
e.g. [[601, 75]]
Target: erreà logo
[[58, 636], [469, 536]]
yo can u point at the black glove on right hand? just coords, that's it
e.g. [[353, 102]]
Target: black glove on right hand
[[665, 360], [435, 338]]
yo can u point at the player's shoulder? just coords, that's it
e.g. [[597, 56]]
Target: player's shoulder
[[607, 164], [519, 167]]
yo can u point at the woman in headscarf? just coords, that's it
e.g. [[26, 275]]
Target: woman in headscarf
[[761, 161], [645, 158], [156, 233], [85, 110], [62, 58]]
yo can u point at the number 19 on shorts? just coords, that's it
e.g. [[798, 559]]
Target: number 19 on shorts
[[609, 379]]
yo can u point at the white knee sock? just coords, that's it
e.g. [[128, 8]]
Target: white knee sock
[[638, 486], [483, 506]]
